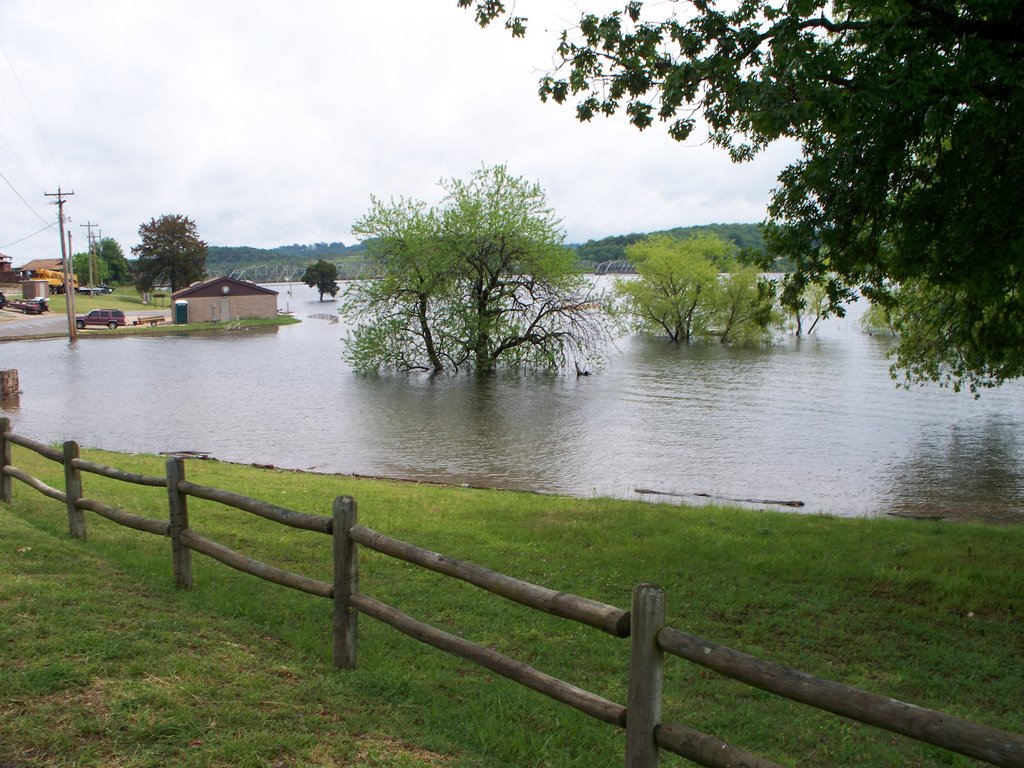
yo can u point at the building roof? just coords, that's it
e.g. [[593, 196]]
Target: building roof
[[222, 286], [32, 266]]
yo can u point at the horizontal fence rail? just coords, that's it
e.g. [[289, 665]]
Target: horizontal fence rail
[[147, 524], [118, 474], [989, 744], [240, 562], [650, 639], [584, 701], [33, 482], [44, 450], [608, 618], [705, 750], [257, 507]]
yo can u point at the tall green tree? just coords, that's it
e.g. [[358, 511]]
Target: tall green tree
[[170, 252], [746, 308], [480, 283], [675, 287], [908, 113], [404, 315], [81, 263], [115, 263], [322, 275], [680, 291]]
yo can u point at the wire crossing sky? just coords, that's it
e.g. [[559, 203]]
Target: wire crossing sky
[[271, 123]]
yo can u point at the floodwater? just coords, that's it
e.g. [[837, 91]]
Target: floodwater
[[817, 420]]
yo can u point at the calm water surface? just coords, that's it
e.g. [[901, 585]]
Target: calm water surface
[[817, 420]]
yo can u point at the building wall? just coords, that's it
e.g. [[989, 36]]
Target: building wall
[[202, 309]]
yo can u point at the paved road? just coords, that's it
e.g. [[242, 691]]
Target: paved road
[[16, 324]]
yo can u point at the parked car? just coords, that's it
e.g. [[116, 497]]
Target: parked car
[[111, 318]]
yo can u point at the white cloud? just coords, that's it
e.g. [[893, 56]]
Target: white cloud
[[272, 124]]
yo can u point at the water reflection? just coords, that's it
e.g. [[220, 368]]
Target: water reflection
[[964, 473], [817, 420]]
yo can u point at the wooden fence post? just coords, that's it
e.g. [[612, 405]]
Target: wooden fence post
[[178, 503], [6, 480], [646, 673], [73, 490], [346, 582]]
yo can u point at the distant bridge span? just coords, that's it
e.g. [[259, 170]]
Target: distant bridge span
[[290, 273], [616, 267]]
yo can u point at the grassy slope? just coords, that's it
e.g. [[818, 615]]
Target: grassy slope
[[105, 663]]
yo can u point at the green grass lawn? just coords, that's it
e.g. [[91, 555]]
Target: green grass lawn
[[105, 663], [125, 297]]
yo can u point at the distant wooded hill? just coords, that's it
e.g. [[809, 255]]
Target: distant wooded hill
[[744, 236], [223, 259]]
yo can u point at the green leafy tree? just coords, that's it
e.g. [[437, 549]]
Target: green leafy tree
[[404, 315], [681, 291], [747, 309], [676, 285], [879, 318], [923, 319], [114, 262], [908, 113], [808, 309], [170, 253], [483, 282], [80, 264], [323, 275]]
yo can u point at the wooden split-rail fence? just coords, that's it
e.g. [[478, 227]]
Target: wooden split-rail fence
[[650, 640]]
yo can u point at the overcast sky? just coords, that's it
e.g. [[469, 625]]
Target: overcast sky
[[272, 123]]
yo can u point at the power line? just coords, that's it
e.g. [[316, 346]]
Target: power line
[[26, 237], [31, 111], [14, 156], [25, 201]]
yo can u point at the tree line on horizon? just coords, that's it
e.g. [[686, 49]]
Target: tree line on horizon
[[747, 238]]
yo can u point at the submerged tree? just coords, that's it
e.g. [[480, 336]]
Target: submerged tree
[[692, 289], [483, 282], [746, 310], [323, 275], [170, 253], [676, 280], [908, 113]]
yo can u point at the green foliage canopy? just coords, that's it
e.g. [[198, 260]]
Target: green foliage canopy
[[170, 252], [108, 264], [678, 291], [322, 275], [80, 264], [114, 262], [908, 113], [483, 282]]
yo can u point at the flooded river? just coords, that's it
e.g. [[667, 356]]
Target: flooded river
[[816, 421]]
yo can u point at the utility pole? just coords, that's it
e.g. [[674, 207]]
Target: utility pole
[[60, 195], [92, 253], [69, 292]]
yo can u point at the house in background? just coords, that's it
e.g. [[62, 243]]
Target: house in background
[[7, 274], [220, 299], [32, 268]]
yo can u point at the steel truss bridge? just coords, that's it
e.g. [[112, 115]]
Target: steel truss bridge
[[617, 267], [291, 273]]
